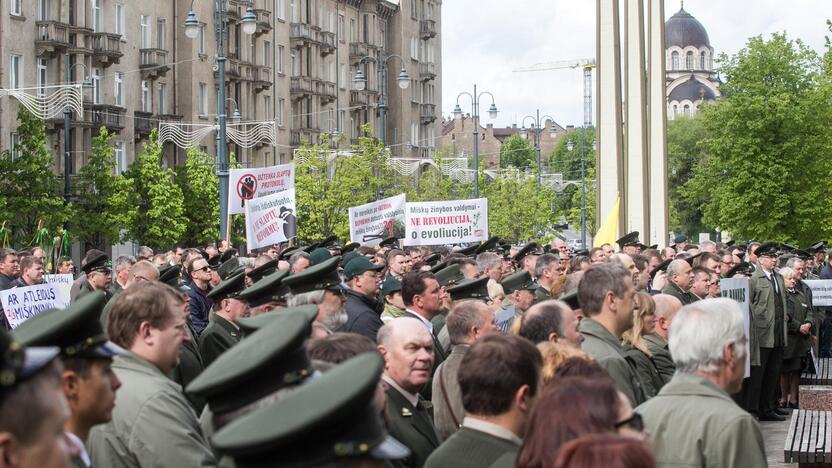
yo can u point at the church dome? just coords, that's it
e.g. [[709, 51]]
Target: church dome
[[692, 90], [683, 30]]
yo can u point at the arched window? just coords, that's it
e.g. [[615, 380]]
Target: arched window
[[674, 60], [689, 60], [702, 61], [674, 112], [686, 110]]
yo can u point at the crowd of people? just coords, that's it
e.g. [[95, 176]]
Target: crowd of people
[[348, 355]]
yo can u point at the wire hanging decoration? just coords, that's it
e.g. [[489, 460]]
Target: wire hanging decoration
[[245, 134], [49, 105]]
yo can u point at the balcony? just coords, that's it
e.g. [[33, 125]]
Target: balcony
[[143, 123], [427, 71], [301, 34], [106, 48], [80, 41], [326, 89], [51, 39], [359, 50], [264, 21], [427, 29], [233, 70], [427, 113], [327, 42], [105, 115], [153, 63], [301, 86], [262, 77], [359, 98]]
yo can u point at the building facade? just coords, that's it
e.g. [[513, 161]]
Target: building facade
[[296, 69]]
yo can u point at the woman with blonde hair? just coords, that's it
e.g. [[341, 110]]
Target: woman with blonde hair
[[644, 322], [554, 354]]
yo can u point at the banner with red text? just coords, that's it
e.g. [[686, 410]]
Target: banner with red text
[[250, 183], [446, 222], [371, 223], [271, 219]]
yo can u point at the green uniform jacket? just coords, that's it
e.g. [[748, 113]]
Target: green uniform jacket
[[217, 337], [646, 371], [439, 354], [413, 429], [799, 310], [447, 405], [438, 321], [762, 312], [190, 366], [605, 348], [152, 426], [86, 288], [684, 297], [390, 312], [470, 448], [542, 294], [661, 356], [694, 423]]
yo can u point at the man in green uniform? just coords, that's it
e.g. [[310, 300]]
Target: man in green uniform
[[520, 290], [679, 279], [153, 424], [222, 332], [498, 400], [693, 421], [98, 276], [607, 296], [666, 308], [88, 380], [267, 294], [319, 285], [465, 290], [447, 277], [547, 269], [526, 258]]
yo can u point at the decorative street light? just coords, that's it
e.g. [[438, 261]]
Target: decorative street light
[[359, 82], [249, 26], [235, 116], [492, 113], [86, 83], [537, 127]]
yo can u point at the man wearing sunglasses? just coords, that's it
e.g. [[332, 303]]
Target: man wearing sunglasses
[[199, 304]]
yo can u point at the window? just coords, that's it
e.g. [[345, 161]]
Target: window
[[342, 116], [332, 71], [252, 49], [413, 9], [366, 29], [702, 61], [96, 15], [280, 104], [331, 121], [119, 88], [414, 134], [120, 157], [414, 48], [689, 60], [674, 60], [294, 64], [145, 32], [203, 149], [293, 11], [16, 10], [163, 102], [96, 85], [120, 15], [201, 46], [161, 31], [341, 27], [342, 76], [267, 53], [280, 50], [267, 105], [43, 10], [202, 99], [353, 32], [15, 142], [686, 110], [147, 99], [41, 78], [281, 10], [331, 22]]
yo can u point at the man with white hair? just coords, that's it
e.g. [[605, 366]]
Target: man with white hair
[[666, 308], [693, 420]]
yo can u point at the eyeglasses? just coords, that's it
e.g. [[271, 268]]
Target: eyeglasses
[[205, 269], [634, 422]]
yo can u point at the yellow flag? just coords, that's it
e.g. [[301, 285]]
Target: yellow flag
[[608, 232]]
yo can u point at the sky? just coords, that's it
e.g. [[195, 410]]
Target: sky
[[484, 40]]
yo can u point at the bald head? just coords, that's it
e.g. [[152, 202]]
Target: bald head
[[407, 348], [679, 272], [142, 271], [666, 308]]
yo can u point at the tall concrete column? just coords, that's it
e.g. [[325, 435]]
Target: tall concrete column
[[636, 178], [657, 128], [609, 165]]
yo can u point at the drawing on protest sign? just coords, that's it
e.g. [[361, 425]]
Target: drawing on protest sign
[[446, 222], [21, 304], [737, 289], [821, 292], [371, 223], [271, 219], [250, 183], [63, 285]]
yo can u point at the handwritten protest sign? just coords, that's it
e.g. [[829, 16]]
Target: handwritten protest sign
[[371, 223], [737, 289], [250, 183], [821, 292], [63, 286], [21, 304], [446, 222], [271, 219]]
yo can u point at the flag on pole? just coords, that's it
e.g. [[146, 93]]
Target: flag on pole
[[608, 232]]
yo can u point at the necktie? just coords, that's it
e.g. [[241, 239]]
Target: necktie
[[774, 284]]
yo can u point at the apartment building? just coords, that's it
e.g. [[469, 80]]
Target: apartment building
[[296, 69]]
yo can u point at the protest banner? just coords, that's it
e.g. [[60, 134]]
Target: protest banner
[[271, 219], [821, 292], [63, 286], [21, 304], [250, 183], [737, 289], [446, 222], [371, 223]]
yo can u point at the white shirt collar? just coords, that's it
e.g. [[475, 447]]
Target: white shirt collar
[[413, 398], [82, 450], [492, 429], [424, 321]]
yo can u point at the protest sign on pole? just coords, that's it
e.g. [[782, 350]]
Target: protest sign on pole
[[63, 286], [21, 304], [446, 222], [250, 183], [821, 292], [737, 289], [271, 219], [371, 223]]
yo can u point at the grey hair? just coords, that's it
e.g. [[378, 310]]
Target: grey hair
[[675, 267], [293, 259], [705, 244], [464, 316], [699, 332], [791, 263], [488, 260], [787, 272], [311, 297], [123, 262], [545, 262]]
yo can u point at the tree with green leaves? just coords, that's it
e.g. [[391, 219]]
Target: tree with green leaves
[[430, 184], [31, 191], [516, 151], [568, 163], [768, 145], [159, 220], [685, 151], [573, 216], [198, 181], [518, 207]]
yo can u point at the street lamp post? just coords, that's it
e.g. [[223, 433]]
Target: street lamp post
[[475, 112], [249, 23], [569, 147], [67, 111], [360, 84], [537, 126]]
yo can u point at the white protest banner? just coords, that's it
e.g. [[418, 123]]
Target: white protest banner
[[20, 304], [63, 285], [250, 183], [371, 223], [446, 222], [821, 292], [737, 289], [271, 219]]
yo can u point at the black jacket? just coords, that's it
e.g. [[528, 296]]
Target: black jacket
[[363, 315]]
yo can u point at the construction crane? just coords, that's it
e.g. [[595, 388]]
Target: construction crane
[[585, 64]]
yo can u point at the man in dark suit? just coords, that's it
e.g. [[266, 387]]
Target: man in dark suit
[[422, 298], [407, 348]]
